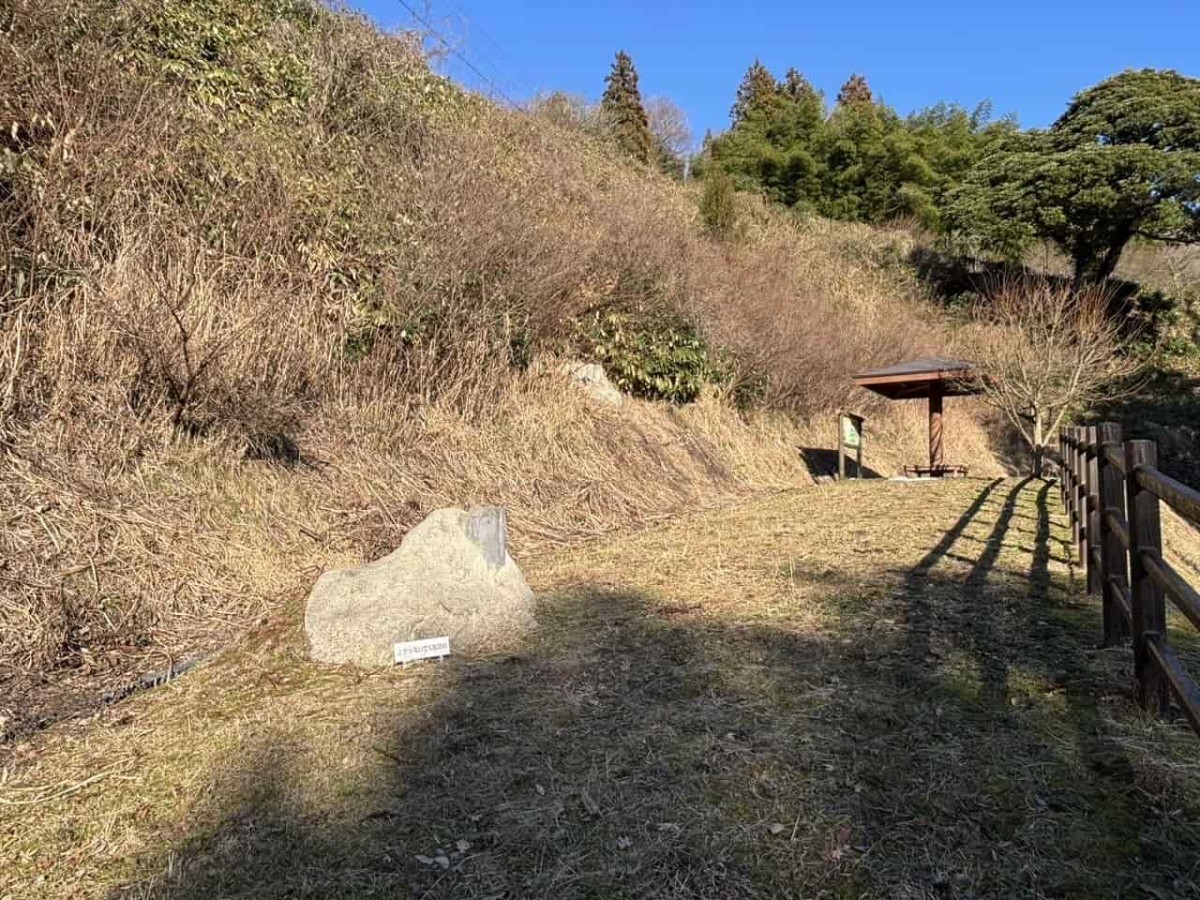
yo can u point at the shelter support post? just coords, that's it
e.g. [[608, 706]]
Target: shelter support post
[[935, 426]]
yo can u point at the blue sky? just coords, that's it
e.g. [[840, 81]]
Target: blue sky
[[1027, 57]]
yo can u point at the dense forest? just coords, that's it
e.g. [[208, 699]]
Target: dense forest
[[860, 161], [1119, 164]]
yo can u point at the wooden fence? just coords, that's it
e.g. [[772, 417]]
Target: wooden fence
[[1112, 491]]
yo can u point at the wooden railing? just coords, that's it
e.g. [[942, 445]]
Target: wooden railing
[[1112, 491]]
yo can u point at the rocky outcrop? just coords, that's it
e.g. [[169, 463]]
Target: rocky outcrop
[[593, 381]]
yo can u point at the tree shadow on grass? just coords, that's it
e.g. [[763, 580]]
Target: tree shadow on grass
[[941, 735], [620, 757]]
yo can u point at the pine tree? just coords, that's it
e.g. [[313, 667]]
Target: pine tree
[[855, 90], [797, 87], [623, 111], [1119, 164], [758, 91]]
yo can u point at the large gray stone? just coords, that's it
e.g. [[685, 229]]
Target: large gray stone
[[593, 381], [451, 575]]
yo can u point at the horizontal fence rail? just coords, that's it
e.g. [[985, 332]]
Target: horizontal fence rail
[[1112, 492]]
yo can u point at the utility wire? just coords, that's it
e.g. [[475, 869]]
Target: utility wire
[[453, 50], [509, 69]]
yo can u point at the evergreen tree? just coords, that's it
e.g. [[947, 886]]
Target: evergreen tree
[[757, 92], [862, 162], [880, 167], [797, 87], [1120, 163], [855, 90], [718, 208], [853, 151], [769, 147], [799, 113], [950, 140], [624, 113]]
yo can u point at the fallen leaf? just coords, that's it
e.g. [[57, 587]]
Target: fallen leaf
[[589, 803]]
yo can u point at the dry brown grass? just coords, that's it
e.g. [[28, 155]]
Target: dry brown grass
[[352, 284], [784, 698], [108, 561]]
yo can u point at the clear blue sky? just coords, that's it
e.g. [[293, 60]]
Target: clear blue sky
[[1027, 57]]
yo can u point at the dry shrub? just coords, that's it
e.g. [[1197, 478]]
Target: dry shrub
[[356, 283], [1047, 351], [175, 543], [797, 307]]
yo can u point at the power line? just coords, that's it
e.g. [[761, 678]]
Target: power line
[[453, 50], [464, 31], [507, 70]]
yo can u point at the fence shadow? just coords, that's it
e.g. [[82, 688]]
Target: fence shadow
[[940, 736]]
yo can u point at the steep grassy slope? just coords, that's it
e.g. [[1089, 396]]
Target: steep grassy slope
[[270, 291]]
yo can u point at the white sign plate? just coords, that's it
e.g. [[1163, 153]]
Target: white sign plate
[[429, 648]]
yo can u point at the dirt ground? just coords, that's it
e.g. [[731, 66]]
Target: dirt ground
[[862, 690]]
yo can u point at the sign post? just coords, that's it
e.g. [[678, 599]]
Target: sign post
[[850, 437]]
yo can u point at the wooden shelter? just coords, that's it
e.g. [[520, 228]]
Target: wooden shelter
[[931, 379]]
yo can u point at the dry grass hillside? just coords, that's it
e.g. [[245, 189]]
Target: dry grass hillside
[[270, 291]]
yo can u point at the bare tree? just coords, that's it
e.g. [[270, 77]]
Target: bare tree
[[669, 125], [1043, 352]]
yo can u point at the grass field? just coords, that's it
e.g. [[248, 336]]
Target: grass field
[[866, 690]]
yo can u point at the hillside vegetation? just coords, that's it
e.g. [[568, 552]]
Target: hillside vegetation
[[270, 291]]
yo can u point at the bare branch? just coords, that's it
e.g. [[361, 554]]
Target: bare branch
[[1045, 352]]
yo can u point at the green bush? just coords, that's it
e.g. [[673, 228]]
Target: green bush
[[718, 207], [657, 357], [238, 58]]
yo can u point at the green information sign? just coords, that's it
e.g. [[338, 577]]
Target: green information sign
[[851, 435]]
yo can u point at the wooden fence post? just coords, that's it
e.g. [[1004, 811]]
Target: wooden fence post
[[1063, 470], [1114, 571], [1069, 466], [1148, 606], [1095, 567], [1081, 488]]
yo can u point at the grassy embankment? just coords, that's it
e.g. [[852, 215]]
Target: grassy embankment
[[270, 291]]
